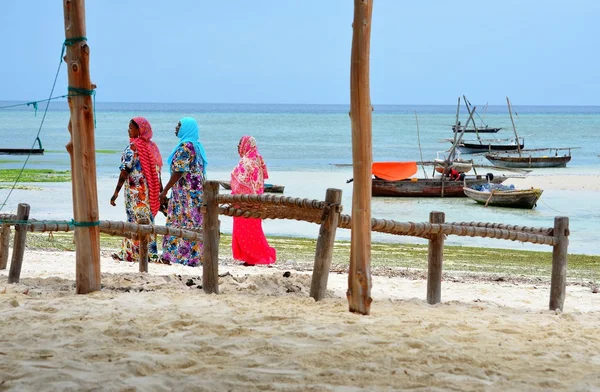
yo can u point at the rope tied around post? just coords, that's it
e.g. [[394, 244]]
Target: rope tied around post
[[85, 92]]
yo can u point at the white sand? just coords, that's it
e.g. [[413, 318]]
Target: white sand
[[263, 333]]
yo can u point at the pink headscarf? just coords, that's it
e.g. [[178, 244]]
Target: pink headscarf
[[249, 175], [150, 158]]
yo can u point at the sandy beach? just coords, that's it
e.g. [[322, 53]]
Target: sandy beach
[[160, 332]]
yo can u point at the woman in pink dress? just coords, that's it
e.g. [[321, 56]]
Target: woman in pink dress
[[248, 242]]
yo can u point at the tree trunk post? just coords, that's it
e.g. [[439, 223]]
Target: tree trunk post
[[435, 259], [558, 284], [325, 243], [82, 149], [4, 246], [210, 265], [359, 277], [143, 238], [19, 245]]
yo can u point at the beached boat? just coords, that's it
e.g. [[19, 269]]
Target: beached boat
[[269, 188], [530, 158], [24, 151], [502, 197], [429, 187]]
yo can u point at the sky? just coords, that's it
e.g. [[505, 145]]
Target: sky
[[425, 52]]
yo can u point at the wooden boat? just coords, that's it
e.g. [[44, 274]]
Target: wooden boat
[[532, 158], [429, 187], [460, 165], [484, 145], [269, 188], [24, 151], [526, 198], [485, 129], [529, 159]]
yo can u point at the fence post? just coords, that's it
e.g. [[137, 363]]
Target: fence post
[[19, 245], [4, 246], [558, 283], [434, 261], [143, 238], [325, 242], [210, 228]]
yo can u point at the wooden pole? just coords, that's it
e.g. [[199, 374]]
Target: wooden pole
[[210, 265], [325, 242], [434, 261], [4, 246], [359, 277], [143, 238], [513, 124], [558, 284], [419, 141], [82, 149], [19, 245]]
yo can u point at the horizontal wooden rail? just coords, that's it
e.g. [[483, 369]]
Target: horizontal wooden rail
[[525, 229], [272, 200], [426, 229], [293, 214]]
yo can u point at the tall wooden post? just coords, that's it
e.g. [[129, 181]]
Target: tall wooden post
[[210, 228], [82, 150], [558, 283], [325, 242], [143, 241], [4, 246], [14, 274], [434, 261], [359, 278]]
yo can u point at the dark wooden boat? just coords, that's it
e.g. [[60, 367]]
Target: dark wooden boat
[[24, 151], [474, 147], [485, 129], [429, 187], [526, 198], [269, 188]]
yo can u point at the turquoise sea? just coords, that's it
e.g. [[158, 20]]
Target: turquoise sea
[[302, 146]]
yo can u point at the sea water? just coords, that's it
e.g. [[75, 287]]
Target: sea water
[[307, 148]]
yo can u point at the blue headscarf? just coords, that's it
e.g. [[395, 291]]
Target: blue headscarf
[[189, 132]]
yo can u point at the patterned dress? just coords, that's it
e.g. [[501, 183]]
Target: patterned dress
[[137, 204], [184, 207]]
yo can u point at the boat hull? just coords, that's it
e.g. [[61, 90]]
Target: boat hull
[[21, 151], [528, 162], [474, 148], [526, 199], [480, 130], [269, 188], [430, 187]]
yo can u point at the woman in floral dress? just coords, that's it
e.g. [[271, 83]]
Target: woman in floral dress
[[140, 172], [187, 164], [248, 242]]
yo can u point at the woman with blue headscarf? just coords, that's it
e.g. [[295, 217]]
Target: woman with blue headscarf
[[187, 164]]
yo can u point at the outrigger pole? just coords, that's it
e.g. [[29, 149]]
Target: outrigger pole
[[82, 149]]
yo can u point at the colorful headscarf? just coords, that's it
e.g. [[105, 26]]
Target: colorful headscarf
[[150, 158], [249, 175], [189, 132]]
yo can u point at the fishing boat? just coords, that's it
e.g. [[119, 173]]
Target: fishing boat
[[24, 151], [486, 145], [484, 129], [394, 179], [429, 187], [269, 188], [531, 158], [502, 196]]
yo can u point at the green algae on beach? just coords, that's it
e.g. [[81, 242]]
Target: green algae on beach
[[503, 264], [35, 175]]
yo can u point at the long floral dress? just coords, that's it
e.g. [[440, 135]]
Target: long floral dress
[[137, 204], [184, 207]]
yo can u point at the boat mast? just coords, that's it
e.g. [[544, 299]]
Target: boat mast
[[471, 114], [513, 124], [419, 141]]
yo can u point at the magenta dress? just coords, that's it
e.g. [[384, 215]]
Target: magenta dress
[[248, 242]]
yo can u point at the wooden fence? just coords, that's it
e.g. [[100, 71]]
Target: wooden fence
[[327, 213]]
